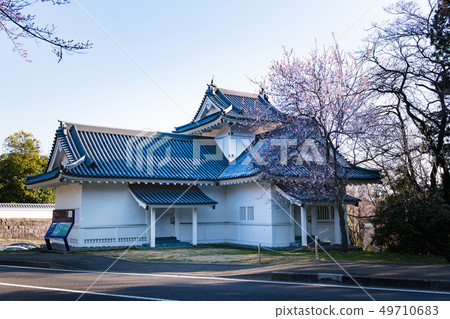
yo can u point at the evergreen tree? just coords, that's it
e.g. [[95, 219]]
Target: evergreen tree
[[22, 158]]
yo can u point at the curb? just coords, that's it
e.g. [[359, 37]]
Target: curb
[[378, 282], [27, 263]]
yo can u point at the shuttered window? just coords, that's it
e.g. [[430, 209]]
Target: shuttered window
[[242, 213], [325, 213], [251, 213], [247, 213]]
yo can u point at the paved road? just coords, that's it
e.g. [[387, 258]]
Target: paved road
[[22, 283]]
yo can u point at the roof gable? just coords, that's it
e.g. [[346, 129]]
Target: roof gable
[[57, 157], [61, 150], [231, 106], [207, 108]]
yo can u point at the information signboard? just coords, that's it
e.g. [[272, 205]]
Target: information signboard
[[62, 222], [58, 230]]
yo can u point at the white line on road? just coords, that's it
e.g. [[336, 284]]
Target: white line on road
[[233, 279], [82, 291]]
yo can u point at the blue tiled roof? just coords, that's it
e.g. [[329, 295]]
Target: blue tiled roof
[[262, 151], [306, 196], [246, 166], [308, 170], [119, 154], [42, 177], [253, 107], [159, 156], [245, 107], [298, 133], [203, 121], [359, 173], [243, 166], [153, 195]]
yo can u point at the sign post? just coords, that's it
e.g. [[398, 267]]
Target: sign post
[[62, 223]]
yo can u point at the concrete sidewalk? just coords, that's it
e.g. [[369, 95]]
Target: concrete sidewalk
[[405, 276]]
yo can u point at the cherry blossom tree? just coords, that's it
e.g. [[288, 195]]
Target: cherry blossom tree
[[19, 25], [325, 99]]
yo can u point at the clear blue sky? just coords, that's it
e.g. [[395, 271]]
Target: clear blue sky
[[181, 44]]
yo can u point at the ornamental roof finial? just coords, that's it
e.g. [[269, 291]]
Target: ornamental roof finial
[[263, 93], [211, 86]]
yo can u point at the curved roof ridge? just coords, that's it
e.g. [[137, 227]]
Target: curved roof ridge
[[105, 129], [239, 93], [129, 132]]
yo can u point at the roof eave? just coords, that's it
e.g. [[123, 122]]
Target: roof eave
[[309, 202], [238, 180], [202, 127], [183, 206], [51, 183], [111, 180], [355, 181]]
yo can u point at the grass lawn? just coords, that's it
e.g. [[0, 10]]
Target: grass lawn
[[243, 255]]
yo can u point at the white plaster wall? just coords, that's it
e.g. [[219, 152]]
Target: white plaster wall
[[16, 212], [281, 220], [107, 215], [216, 131], [211, 223], [185, 217], [70, 197], [110, 204], [223, 224], [110, 216], [250, 232], [310, 215], [233, 145]]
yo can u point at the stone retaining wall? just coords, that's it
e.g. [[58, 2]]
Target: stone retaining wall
[[24, 228]]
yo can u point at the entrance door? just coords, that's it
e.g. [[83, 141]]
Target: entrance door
[[165, 225], [325, 223], [325, 231]]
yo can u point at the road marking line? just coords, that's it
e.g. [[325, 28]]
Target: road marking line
[[235, 280], [82, 291]]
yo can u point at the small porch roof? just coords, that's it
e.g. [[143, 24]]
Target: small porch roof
[[169, 195], [297, 197]]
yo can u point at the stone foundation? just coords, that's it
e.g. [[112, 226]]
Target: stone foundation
[[30, 230]]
